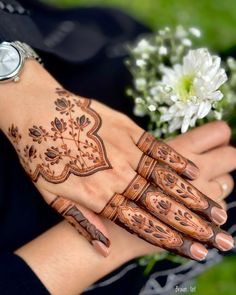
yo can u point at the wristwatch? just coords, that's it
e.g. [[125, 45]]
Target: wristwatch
[[12, 58]]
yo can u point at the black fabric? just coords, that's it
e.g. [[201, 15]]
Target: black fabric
[[18, 278]]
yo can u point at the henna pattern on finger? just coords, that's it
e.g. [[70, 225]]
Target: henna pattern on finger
[[135, 220], [175, 186], [122, 211], [176, 215], [157, 149], [71, 146], [165, 154], [75, 217], [179, 188], [167, 209]]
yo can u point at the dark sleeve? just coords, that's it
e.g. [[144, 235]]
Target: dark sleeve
[[16, 24], [17, 278]]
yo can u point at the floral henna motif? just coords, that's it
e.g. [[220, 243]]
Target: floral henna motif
[[167, 209], [72, 145], [176, 215], [146, 227], [179, 188], [171, 183], [134, 219], [175, 186], [161, 151]]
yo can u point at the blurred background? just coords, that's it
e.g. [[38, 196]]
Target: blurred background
[[217, 20]]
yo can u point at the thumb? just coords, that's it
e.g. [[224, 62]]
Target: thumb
[[86, 222]]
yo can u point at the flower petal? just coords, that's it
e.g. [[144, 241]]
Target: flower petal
[[204, 109]]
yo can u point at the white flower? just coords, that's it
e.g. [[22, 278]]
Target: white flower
[[144, 46], [138, 100], [139, 110], [231, 63], [162, 50], [152, 108], [180, 32], [140, 83], [218, 115], [140, 63], [187, 42], [195, 87], [195, 32]]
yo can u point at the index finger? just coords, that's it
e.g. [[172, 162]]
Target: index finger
[[162, 152], [204, 138]]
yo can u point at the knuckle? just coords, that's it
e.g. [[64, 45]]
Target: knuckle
[[224, 129], [230, 182], [130, 124], [230, 154], [122, 176], [124, 118]]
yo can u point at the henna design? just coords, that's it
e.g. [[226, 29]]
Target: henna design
[[149, 145], [72, 146], [136, 188], [171, 183], [13, 132], [134, 219], [176, 215], [175, 186], [166, 209], [75, 217], [179, 188]]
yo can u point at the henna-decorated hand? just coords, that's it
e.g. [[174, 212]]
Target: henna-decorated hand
[[85, 158]]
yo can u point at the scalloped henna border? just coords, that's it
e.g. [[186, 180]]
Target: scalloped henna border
[[92, 134]]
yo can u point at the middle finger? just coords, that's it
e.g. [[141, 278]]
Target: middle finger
[[173, 213], [223, 158], [180, 189]]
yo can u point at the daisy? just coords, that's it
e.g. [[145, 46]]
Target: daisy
[[195, 88]]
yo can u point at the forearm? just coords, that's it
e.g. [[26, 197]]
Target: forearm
[[66, 264]]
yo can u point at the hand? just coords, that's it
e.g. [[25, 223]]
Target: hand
[[208, 146], [85, 158]]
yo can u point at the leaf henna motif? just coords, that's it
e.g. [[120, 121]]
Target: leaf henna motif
[[179, 188], [177, 216], [71, 146], [13, 133], [143, 225]]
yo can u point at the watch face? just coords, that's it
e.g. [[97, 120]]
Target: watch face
[[9, 61]]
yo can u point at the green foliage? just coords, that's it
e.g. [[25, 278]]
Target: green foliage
[[219, 279]]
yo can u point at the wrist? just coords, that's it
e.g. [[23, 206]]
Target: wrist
[[16, 97]]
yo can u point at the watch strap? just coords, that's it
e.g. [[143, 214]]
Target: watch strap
[[26, 50]]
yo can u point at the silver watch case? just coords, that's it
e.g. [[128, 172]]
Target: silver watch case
[[13, 74]]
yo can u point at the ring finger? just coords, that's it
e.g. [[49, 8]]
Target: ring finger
[[173, 213], [224, 158], [220, 187], [180, 189], [130, 216]]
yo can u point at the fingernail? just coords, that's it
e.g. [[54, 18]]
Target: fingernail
[[191, 170], [224, 241], [198, 251], [218, 215], [101, 248]]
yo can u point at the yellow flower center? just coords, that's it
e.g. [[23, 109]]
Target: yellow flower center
[[185, 87]]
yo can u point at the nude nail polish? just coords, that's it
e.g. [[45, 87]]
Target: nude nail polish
[[198, 251], [218, 215], [191, 170], [224, 241], [100, 247]]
